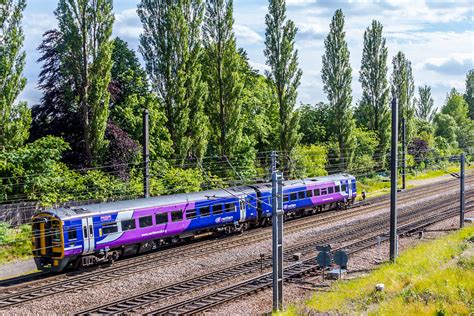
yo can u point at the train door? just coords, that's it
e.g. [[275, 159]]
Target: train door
[[243, 210], [88, 235]]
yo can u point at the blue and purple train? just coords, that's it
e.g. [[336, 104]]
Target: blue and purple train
[[90, 234]]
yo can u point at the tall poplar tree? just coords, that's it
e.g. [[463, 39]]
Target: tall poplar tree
[[425, 109], [171, 46], [469, 95], [373, 111], [337, 78], [403, 89], [86, 48], [223, 73], [15, 118], [282, 58]]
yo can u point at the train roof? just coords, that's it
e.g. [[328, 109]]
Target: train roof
[[108, 207]]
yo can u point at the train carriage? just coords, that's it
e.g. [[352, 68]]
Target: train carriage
[[89, 234]]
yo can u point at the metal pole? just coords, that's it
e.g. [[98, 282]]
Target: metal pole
[[393, 185], [146, 156], [404, 146], [462, 197], [273, 167], [277, 240]]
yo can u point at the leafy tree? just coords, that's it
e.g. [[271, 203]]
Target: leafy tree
[[15, 118], [337, 78], [282, 58], [310, 160], [469, 95], [171, 47], [313, 123], [130, 95], [86, 28], [222, 72], [403, 89], [365, 158], [446, 127], [424, 105], [374, 111], [456, 107]]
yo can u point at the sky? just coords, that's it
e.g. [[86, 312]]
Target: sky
[[436, 36]]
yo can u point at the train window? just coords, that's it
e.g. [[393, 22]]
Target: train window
[[128, 224], [301, 195], [330, 190], [161, 218], [230, 207], [205, 211], [71, 233], [337, 188], [316, 192], [217, 209], [343, 188], [293, 196], [324, 191], [145, 221], [109, 228], [176, 216], [286, 198], [190, 214], [309, 193]]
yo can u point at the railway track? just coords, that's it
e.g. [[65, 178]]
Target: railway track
[[156, 259], [149, 261], [208, 301], [359, 230]]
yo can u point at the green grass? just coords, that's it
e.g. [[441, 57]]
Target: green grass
[[429, 279], [15, 243]]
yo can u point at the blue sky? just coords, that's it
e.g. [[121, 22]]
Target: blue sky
[[437, 36]]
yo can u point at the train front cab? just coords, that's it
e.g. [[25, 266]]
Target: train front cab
[[48, 243]]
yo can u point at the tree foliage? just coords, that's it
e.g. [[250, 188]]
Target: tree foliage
[[172, 48], [282, 58], [373, 111], [222, 72], [469, 95], [313, 123], [15, 117], [403, 89], [337, 79], [86, 50], [425, 109], [130, 95]]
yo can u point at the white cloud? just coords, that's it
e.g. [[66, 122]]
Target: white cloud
[[246, 35]]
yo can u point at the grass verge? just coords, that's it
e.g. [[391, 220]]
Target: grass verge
[[15, 243], [435, 277]]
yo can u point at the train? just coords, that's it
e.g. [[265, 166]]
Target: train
[[82, 236]]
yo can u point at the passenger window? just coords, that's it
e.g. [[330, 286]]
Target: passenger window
[[301, 195], [316, 192], [145, 221], [128, 224], [191, 214], [176, 216], [205, 211], [71, 234], [161, 218], [324, 191], [109, 228], [331, 190], [343, 188], [293, 196], [309, 193], [338, 188], [217, 209], [286, 198], [229, 207]]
